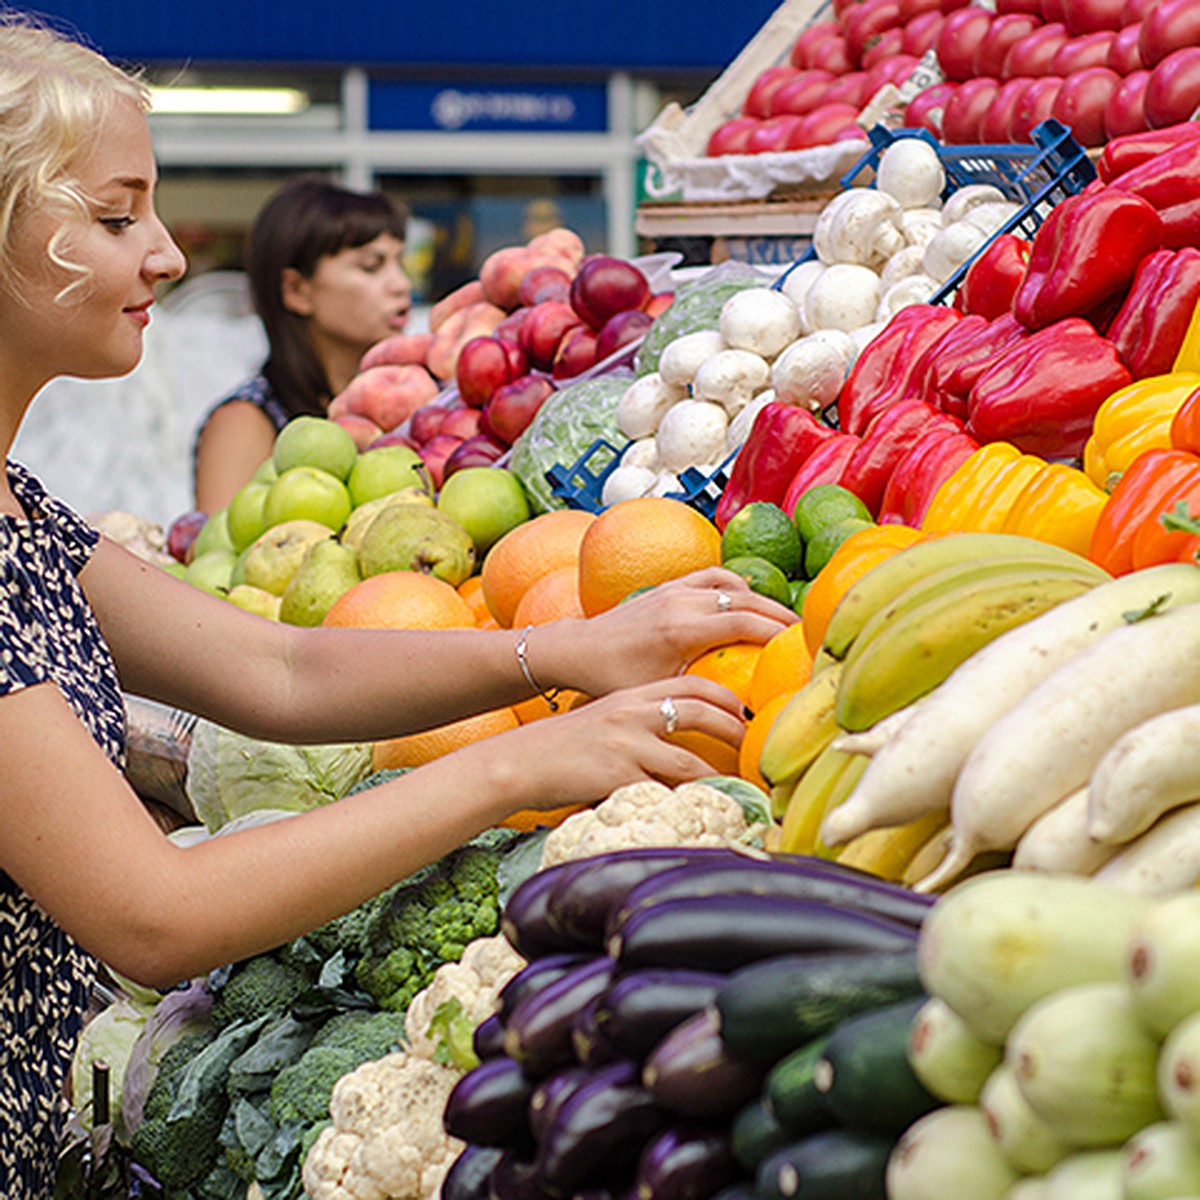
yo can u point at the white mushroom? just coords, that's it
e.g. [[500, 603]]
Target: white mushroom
[[693, 431], [919, 225], [951, 248], [840, 340], [908, 261], [864, 335], [912, 289], [681, 359], [739, 427], [626, 483], [731, 378], [911, 171], [991, 217], [799, 279], [641, 453], [643, 403], [844, 297], [809, 373], [961, 201], [761, 320], [861, 225]]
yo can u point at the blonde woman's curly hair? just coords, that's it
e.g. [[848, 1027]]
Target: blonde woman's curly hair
[[54, 92]]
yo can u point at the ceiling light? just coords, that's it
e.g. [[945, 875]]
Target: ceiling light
[[229, 101]]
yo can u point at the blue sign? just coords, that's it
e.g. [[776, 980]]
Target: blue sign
[[473, 107]]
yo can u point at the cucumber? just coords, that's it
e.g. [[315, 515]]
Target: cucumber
[[1086, 1065], [771, 1008], [864, 1077], [835, 1164], [755, 1132], [791, 1092], [949, 1153], [1160, 1160], [1025, 1139], [948, 1058]]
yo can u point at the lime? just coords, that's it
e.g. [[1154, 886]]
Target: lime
[[826, 504], [819, 550], [799, 590], [763, 530], [763, 577]]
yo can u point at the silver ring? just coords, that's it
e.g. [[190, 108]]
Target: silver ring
[[670, 714], [724, 601]]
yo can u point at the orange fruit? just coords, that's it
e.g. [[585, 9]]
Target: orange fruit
[[471, 590], [553, 596], [532, 818], [415, 749], [732, 666], [756, 734], [721, 756], [536, 707], [640, 543], [850, 562], [526, 553], [401, 600], [784, 665]]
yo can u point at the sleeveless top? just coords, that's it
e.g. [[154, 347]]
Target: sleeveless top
[[47, 634]]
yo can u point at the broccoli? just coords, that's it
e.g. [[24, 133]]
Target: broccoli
[[370, 1035], [301, 1092], [261, 986]]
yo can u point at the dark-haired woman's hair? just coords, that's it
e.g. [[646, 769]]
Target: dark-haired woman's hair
[[303, 222]]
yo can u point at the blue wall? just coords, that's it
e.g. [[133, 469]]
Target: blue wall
[[538, 34]]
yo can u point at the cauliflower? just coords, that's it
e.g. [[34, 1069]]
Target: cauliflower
[[650, 814], [475, 981], [386, 1140]]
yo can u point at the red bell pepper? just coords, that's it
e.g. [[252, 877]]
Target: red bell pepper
[[781, 438], [883, 372], [928, 463], [921, 381], [887, 439], [1124, 153], [1042, 393], [962, 359], [1170, 183], [1086, 251], [992, 279], [1149, 327], [824, 465]]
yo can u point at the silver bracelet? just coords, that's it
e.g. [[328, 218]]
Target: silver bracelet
[[522, 649]]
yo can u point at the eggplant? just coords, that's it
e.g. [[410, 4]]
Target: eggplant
[[686, 1163], [489, 1105], [533, 977], [797, 879], [538, 1034], [550, 1095], [580, 898], [488, 1039], [516, 1178], [692, 1073], [643, 1006], [589, 1042], [599, 1131], [470, 1173], [724, 932], [524, 921]]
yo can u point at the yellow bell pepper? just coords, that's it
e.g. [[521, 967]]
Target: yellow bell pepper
[[1060, 505], [1188, 356], [951, 500], [1135, 418]]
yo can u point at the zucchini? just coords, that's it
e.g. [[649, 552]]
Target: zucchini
[[642, 1007], [470, 1173], [834, 1164], [771, 1008], [489, 1105], [755, 1132], [524, 920], [791, 1091], [864, 1077], [685, 1163], [949, 1059], [724, 932], [949, 1152]]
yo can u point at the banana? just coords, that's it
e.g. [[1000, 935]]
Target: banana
[[888, 852], [885, 581], [824, 785], [803, 728], [922, 647]]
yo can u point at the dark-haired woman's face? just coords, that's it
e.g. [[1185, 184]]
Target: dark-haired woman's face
[[356, 297]]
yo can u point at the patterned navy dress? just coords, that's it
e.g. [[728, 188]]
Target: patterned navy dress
[[47, 634]]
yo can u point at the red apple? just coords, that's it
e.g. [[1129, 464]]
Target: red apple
[[394, 437], [509, 328], [434, 454], [620, 330], [1125, 111], [965, 109], [830, 54], [730, 136], [921, 33], [850, 88], [865, 22], [606, 286], [1034, 54], [1173, 93], [772, 134], [822, 125], [515, 405], [959, 39], [460, 422], [1087, 16], [758, 99], [426, 421], [1032, 107], [182, 531], [576, 353], [543, 330], [484, 363], [993, 127], [480, 450], [1003, 33], [1168, 26], [1125, 55], [926, 108], [1086, 50], [803, 45], [1081, 101], [543, 283]]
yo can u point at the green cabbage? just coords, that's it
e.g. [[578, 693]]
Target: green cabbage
[[230, 775], [568, 422], [108, 1037]]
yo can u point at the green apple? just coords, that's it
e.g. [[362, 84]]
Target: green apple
[[486, 501], [274, 557], [314, 442], [246, 519], [213, 535], [254, 599], [212, 570], [385, 469], [307, 493], [265, 472]]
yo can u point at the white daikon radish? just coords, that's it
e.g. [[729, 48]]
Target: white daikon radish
[[1162, 860], [1059, 840]]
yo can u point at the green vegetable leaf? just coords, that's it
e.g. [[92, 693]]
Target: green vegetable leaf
[[1180, 520], [1140, 614], [454, 1035]]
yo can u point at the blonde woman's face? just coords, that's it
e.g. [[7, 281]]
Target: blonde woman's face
[[97, 330]]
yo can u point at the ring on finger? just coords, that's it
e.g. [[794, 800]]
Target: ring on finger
[[724, 601], [670, 714]]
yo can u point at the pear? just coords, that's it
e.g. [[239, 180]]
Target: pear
[[357, 522], [412, 537], [327, 570], [275, 555], [254, 599]]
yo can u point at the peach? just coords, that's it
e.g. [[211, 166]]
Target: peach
[[469, 293], [503, 270], [387, 395], [397, 350], [362, 429], [564, 242]]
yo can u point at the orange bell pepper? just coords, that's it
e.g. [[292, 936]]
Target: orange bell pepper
[[1136, 418], [1059, 505], [1185, 425]]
